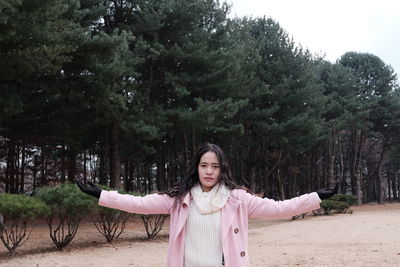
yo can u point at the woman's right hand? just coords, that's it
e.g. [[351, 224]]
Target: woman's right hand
[[90, 188]]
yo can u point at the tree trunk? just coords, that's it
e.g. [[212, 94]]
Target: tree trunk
[[398, 185], [17, 167], [389, 188], [380, 184], [34, 175], [342, 167], [115, 168], [194, 148], [161, 185], [63, 165], [252, 173], [358, 138], [126, 175], [280, 184], [270, 171], [394, 187], [10, 169], [22, 183], [71, 165], [43, 180], [129, 175], [103, 163], [331, 160], [186, 152]]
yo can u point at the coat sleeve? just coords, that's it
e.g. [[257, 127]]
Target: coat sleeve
[[271, 209], [149, 204]]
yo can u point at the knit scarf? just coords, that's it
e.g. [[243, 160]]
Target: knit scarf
[[212, 201]]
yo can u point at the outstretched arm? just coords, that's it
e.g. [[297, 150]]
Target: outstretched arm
[[272, 209], [149, 204]]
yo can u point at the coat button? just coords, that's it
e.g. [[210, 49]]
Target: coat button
[[242, 253], [236, 230]]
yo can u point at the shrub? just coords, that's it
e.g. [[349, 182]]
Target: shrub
[[329, 205], [349, 199], [68, 206], [153, 224], [109, 222], [17, 212]]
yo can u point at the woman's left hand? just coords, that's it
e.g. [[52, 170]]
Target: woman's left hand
[[325, 193], [90, 188]]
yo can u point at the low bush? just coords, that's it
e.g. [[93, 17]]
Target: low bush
[[153, 223], [17, 212], [329, 206], [68, 206], [109, 222], [349, 199]]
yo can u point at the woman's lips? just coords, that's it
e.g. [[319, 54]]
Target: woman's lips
[[209, 179]]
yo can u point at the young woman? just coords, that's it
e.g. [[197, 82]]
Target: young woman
[[209, 212]]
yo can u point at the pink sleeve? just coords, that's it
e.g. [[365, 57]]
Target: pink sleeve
[[271, 209], [149, 204]]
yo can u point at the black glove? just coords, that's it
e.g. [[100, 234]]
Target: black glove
[[90, 189], [325, 193]]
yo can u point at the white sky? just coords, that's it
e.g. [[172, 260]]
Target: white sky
[[332, 28]]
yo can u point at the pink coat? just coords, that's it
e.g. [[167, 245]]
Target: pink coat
[[234, 218]]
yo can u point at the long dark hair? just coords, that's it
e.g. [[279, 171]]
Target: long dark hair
[[192, 178]]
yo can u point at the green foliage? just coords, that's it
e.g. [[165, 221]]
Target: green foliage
[[68, 205], [375, 78], [285, 105], [147, 81], [374, 81], [66, 200], [337, 85], [349, 199], [17, 212], [31, 55], [282, 112], [22, 207], [329, 205]]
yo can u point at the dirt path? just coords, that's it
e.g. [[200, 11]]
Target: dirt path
[[368, 237]]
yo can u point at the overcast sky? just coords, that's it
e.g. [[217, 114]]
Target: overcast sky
[[332, 28]]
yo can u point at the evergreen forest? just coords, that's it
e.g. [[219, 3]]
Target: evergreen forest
[[122, 92]]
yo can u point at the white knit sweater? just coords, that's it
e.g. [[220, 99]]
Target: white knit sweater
[[202, 239]]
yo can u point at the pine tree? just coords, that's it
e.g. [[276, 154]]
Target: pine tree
[[282, 115], [375, 84]]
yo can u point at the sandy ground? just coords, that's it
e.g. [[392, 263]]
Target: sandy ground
[[368, 237]]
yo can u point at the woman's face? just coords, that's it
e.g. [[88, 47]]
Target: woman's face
[[209, 170]]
